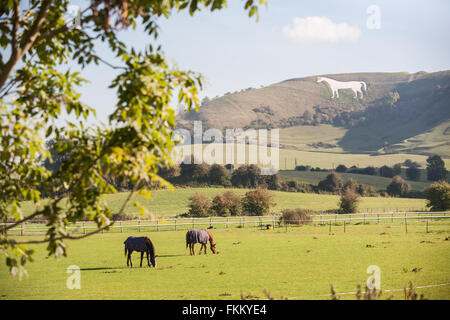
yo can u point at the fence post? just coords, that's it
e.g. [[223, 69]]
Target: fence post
[[22, 231], [193, 223], [139, 223], [427, 225], [406, 225], [344, 226], [329, 230], [175, 224], [121, 228], [243, 219], [84, 228], [378, 215], [157, 225]]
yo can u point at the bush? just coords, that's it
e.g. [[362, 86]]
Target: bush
[[227, 204], [303, 168], [200, 206], [257, 202], [398, 187], [438, 196], [349, 202], [295, 216], [341, 168]]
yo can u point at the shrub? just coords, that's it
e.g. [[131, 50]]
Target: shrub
[[438, 196], [199, 206], [303, 168], [257, 202], [341, 168], [227, 204], [296, 216], [398, 187], [349, 202]]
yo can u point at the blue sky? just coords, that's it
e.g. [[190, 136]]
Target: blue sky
[[234, 52]]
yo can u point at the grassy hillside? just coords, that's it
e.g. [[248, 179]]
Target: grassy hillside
[[417, 122]]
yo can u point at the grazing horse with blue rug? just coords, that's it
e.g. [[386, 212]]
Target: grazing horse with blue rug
[[199, 236], [140, 244]]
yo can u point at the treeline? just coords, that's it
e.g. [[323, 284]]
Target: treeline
[[435, 169], [245, 176]]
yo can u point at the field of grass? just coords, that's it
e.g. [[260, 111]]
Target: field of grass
[[167, 203], [297, 263], [379, 183]]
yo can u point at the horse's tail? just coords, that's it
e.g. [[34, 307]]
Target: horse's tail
[[187, 239]]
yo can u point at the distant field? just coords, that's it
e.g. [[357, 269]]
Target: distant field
[[167, 203], [379, 183], [321, 158], [293, 263]]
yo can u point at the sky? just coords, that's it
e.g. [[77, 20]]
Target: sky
[[291, 39]]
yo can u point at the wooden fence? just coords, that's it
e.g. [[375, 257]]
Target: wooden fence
[[174, 224]]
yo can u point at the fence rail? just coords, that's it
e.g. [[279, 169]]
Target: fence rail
[[173, 224]]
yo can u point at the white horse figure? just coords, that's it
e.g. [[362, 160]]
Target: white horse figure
[[336, 85]]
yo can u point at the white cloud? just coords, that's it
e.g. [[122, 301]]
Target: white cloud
[[320, 29]]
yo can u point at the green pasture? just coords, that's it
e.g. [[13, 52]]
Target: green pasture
[[169, 203], [293, 262]]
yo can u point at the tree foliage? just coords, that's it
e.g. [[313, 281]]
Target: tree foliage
[[438, 196], [38, 84]]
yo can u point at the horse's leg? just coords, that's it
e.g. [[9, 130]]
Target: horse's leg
[[129, 257], [142, 256], [148, 260]]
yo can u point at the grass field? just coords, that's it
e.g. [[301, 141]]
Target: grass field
[[293, 263], [167, 203]]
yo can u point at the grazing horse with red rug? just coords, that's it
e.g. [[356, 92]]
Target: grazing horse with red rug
[[200, 236], [140, 244]]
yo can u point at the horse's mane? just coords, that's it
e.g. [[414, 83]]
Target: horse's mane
[[211, 239], [150, 246]]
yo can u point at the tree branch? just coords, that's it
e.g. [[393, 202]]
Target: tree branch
[[27, 42]]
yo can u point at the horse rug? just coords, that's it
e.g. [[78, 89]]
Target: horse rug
[[136, 244], [198, 236]]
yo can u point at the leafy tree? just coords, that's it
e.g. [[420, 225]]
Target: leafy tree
[[219, 175], [413, 173], [436, 168], [438, 196], [37, 88], [341, 168], [227, 204], [257, 202], [199, 206], [397, 168], [386, 171], [398, 187], [332, 183], [349, 201]]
